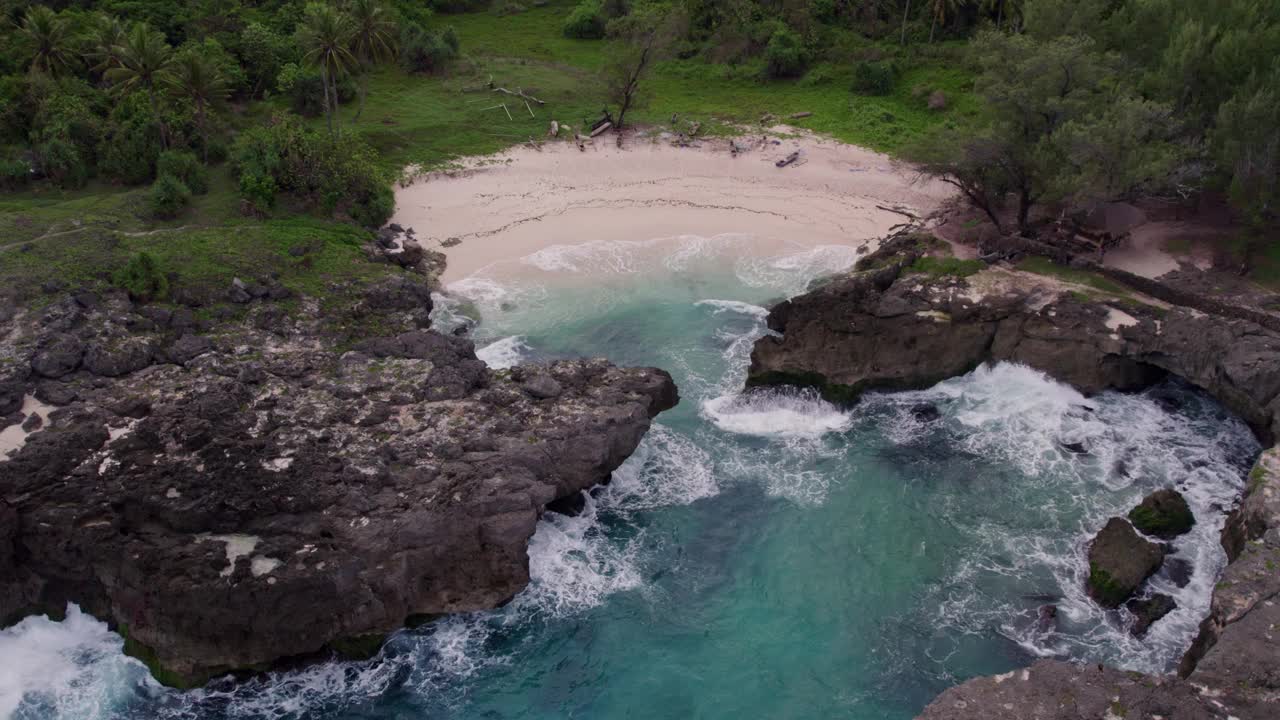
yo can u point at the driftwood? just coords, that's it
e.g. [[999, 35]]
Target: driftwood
[[504, 109], [694, 128], [794, 156], [801, 115], [899, 210], [581, 145], [535, 144], [601, 128], [518, 93], [554, 131]]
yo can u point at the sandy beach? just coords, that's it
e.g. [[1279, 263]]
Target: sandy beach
[[511, 205]]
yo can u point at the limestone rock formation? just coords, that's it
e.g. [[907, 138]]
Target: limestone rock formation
[[1120, 560], [1163, 514], [231, 493]]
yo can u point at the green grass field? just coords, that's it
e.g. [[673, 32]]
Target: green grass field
[[432, 120]]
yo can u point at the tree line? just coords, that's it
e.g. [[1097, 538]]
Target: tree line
[[86, 91]]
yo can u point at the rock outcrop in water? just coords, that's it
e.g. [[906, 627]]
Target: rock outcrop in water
[[1120, 560], [901, 324], [229, 493]]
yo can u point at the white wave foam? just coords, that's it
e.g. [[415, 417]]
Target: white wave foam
[[69, 669], [573, 565], [1013, 415], [776, 413], [719, 306], [666, 469], [791, 274], [504, 353], [597, 256]]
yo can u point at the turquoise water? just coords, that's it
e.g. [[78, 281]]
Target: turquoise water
[[764, 556]]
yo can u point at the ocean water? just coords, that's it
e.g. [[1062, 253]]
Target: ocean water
[[766, 555]]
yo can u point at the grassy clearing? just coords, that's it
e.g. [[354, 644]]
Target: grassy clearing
[[433, 120], [1045, 266], [204, 260]]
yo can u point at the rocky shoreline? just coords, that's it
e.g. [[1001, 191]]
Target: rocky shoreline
[[911, 316], [235, 481]]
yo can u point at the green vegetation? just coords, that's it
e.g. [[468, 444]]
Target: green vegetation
[[1104, 588], [946, 266], [1045, 266], [1162, 522], [142, 278]]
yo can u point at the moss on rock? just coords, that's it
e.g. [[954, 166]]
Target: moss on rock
[[1163, 514]]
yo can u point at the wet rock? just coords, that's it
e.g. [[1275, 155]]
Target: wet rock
[[33, 422], [1147, 611], [925, 412], [1047, 618], [1179, 570], [1163, 514], [1120, 560], [58, 355], [1075, 448]]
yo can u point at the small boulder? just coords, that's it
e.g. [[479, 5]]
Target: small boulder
[[238, 292], [1149, 610], [57, 355], [188, 348], [1120, 560], [55, 393], [543, 387], [113, 357], [1163, 514], [937, 100]]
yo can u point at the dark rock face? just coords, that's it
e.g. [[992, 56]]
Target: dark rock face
[[270, 497], [1163, 514], [883, 329], [1148, 611], [1120, 560], [58, 355]]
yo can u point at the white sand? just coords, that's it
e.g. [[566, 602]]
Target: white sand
[[14, 437], [512, 205]]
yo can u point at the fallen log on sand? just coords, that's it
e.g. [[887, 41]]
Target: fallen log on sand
[[601, 128], [801, 115], [794, 156]]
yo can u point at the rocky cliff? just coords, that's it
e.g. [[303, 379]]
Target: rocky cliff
[[903, 322], [273, 477]]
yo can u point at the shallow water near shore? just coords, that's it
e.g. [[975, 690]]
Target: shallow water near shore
[[762, 555]]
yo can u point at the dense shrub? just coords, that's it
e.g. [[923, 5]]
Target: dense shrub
[[168, 197], [872, 77], [422, 51], [142, 278], [131, 141], [306, 90], [334, 174], [15, 173], [186, 167], [64, 131], [785, 55], [586, 22]]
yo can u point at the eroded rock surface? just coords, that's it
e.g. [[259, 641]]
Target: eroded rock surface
[[235, 492]]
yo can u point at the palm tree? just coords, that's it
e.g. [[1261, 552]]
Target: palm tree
[[145, 60], [197, 78], [905, 12], [50, 39], [1003, 9], [372, 41], [102, 44], [940, 9], [325, 37]]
